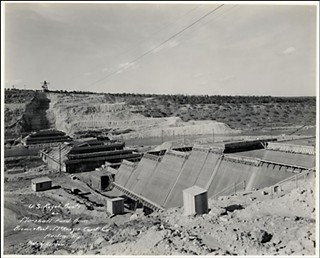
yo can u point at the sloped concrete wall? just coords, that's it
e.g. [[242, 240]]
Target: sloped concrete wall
[[164, 177], [145, 172], [189, 174], [124, 172], [142, 173], [207, 169], [163, 182], [268, 174], [303, 160], [229, 173]]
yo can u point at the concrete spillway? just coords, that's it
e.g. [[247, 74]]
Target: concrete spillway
[[227, 174], [188, 176], [303, 160], [163, 179], [143, 173], [266, 175], [124, 172], [207, 169]]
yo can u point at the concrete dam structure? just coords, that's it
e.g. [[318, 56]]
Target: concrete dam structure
[[161, 180]]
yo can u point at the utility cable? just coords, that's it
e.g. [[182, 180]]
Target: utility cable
[[164, 28], [156, 47]]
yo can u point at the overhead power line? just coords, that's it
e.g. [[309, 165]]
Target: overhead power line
[[164, 28], [156, 47], [170, 24], [216, 18]]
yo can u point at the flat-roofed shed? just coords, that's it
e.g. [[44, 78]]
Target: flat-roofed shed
[[41, 184]]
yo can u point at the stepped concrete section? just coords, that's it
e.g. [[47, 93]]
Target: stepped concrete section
[[164, 177], [189, 174], [124, 172], [303, 160], [142, 173]]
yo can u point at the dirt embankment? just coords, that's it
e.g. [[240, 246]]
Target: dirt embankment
[[249, 223]]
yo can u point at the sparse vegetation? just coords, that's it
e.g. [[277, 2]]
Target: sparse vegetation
[[238, 112]]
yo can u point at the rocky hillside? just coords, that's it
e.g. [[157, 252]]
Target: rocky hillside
[[25, 111], [137, 115], [239, 112], [76, 113], [15, 106]]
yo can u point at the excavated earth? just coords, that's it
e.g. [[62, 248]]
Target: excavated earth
[[248, 223], [87, 115], [73, 113]]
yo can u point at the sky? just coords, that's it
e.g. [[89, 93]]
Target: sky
[[235, 50]]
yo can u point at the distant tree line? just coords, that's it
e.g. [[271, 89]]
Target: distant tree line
[[138, 98]]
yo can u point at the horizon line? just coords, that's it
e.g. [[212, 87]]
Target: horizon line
[[161, 94]]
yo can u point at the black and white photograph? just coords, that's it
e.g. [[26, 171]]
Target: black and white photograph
[[165, 128]]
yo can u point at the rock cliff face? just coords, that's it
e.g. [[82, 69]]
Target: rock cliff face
[[73, 113], [28, 116], [35, 116], [135, 115]]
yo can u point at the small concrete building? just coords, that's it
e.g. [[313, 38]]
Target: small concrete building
[[195, 200], [100, 180], [41, 184], [115, 206]]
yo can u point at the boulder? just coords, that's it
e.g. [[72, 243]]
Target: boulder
[[261, 236]]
